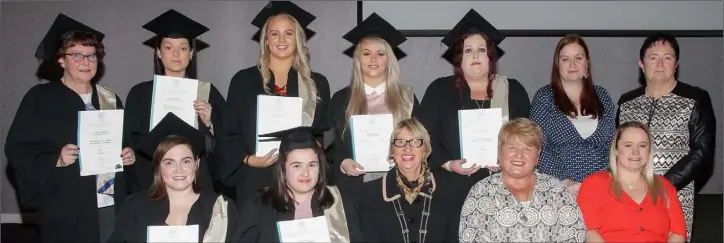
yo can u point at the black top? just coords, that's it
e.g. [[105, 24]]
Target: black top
[[375, 25], [139, 212], [47, 120], [274, 8], [439, 114], [259, 220], [238, 137], [342, 146], [49, 46], [379, 220], [137, 121]]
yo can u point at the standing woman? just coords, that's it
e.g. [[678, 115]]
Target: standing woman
[[283, 70], [375, 88], [175, 48], [577, 117], [42, 142], [475, 85], [680, 117]]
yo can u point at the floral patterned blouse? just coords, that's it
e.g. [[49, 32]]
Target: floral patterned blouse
[[491, 213]]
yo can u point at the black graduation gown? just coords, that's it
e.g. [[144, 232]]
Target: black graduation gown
[[139, 212], [138, 119], [239, 132], [439, 114], [259, 220], [66, 203], [342, 146], [379, 220]]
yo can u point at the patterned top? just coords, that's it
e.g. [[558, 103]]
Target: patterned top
[[675, 121], [492, 214], [565, 153]]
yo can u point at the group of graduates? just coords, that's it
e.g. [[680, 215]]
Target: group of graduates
[[211, 176]]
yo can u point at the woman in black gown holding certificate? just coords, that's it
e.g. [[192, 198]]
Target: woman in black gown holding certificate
[[299, 195], [283, 70], [43, 140], [375, 88], [175, 47], [475, 85], [175, 198]]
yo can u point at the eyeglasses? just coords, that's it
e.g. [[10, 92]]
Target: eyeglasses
[[401, 143], [79, 57]]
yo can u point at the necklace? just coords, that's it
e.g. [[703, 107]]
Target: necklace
[[631, 186], [480, 106]]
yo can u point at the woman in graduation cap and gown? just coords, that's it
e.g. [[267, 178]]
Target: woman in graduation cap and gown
[[175, 46], [42, 143], [475, 85], [375, 88], [299, 190], [283, 70], [175, 197]]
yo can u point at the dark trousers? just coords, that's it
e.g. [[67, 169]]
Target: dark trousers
[[107, 220]]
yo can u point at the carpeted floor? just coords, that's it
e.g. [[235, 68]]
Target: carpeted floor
[[708, 224]]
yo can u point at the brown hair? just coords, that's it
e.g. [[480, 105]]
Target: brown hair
[[590, 105], [278, 194], [656, 190], [73, 38], [492, 54], [158, 187]]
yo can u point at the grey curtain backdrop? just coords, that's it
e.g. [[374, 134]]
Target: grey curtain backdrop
[[528, 59]]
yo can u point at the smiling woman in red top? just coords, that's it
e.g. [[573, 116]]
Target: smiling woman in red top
[[636, 206]]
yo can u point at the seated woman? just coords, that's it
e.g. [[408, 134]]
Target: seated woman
[[298, 192], [519, 204], [628, 203], [400, 206], [175, 198]]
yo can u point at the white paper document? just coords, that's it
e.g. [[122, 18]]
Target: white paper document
[[175, 95], [175, 234], [371, 141], [100, 140], [273, 114], [479, 130], [304, 230]]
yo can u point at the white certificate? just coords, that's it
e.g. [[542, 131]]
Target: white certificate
[[304, 230], [100, 140], [175, 95], [479, 130], [371, 141], [273, 114], [176, 234]]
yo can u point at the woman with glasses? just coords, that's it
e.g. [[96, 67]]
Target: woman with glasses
[[175, 47], [42, 143], [409, 204]]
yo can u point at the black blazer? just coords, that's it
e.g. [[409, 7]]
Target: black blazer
[[379, 219], [341, 148]]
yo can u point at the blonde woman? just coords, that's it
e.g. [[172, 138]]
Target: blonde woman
[[629, 203], [283, 70], [375, 88]]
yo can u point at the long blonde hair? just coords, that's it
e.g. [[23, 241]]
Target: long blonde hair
[[301, 57], [395, 99], [655, 188]]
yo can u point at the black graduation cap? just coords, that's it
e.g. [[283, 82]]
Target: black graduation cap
[[472, 22], [175, 25], [172, 125], [374, 25], [50, 44], [295, 138], [283, 7]]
